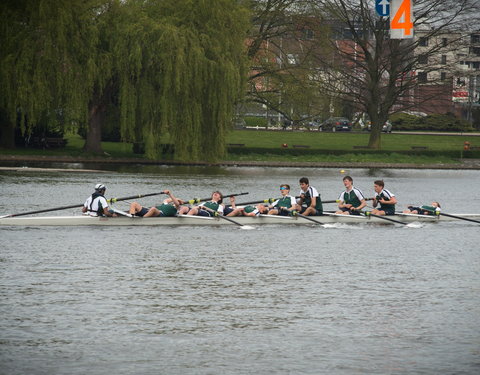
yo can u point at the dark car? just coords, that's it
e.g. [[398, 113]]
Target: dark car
[[336, 124]]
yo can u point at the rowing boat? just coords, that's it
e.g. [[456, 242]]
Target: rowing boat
[[200, 220]]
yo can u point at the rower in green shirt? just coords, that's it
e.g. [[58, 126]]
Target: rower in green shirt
[[169, 207], [285, 204], [351, 200], [424, 210]]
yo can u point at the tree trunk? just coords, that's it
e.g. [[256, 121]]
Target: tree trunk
[[96, 116], [7, 132], [375, 137]]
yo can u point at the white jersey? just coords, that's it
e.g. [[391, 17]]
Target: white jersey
[[93, 206]]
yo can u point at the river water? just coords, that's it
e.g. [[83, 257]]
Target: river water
[[340, 299]]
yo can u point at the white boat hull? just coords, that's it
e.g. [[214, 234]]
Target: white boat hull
[[199, 220]]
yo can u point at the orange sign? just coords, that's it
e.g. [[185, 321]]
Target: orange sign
[[401, 25]]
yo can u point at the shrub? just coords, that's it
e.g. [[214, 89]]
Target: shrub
[[435, 122]]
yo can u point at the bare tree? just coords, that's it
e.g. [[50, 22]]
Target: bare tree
[[379, 75], [282, 47]]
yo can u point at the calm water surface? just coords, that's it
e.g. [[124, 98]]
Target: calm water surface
[[341, 299]]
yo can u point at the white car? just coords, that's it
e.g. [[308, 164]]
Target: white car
[[386, 128]]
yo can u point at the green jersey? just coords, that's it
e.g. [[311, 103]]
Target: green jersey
[[353, 197], [285, 202], [167, 209]]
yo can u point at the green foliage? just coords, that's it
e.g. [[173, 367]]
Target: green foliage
[[45, 60], [172, 66], [255, 121], [436, 122], [183, 72]]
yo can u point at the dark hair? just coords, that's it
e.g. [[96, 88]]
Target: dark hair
[[304, 180], [348, 178], [379, 183], [285, 185]]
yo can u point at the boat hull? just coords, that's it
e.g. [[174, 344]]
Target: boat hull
[[199, 220]]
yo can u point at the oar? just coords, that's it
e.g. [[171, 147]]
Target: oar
[[216, 214], [454, 216], [295, 213], [198, 200], [368, 213], [112, 200]]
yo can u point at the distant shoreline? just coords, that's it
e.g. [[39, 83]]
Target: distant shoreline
[[466, 164]]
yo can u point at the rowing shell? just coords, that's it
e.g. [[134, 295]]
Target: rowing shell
[[200, 220]]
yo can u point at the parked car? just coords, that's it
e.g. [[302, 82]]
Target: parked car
[[312, 124], [336, 124], [386, 128]]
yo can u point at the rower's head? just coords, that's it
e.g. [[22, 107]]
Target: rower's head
[[284, 189], [347, 181], [217, 197], [378, 186], [100, 188], [436, 204], [262, 208], [304, 183]]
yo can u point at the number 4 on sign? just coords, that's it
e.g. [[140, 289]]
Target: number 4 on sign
[[401, 25]]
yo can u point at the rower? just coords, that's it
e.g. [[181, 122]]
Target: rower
[[385, 198], [168, 208], [96, 204], [211, 208], [433, 209], [310, 203], [285, 204], [247, 210], [352, 200]]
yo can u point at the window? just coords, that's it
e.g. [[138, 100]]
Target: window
[[422, 77], [475, 38], [308, 34], [444, 42], [444, 59], [475, 51], [443, 76], [423, 41], [423, 59]]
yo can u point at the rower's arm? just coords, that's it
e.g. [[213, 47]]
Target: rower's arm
[[393, 200], [363, 204], [174, 199], [106, 212]]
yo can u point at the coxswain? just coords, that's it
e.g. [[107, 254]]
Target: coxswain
[[96, 204]]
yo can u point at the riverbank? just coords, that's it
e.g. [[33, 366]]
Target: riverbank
[[18, 161]]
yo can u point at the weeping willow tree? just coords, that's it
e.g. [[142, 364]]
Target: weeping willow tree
[[171, 66], [182, 74], [46, 68]]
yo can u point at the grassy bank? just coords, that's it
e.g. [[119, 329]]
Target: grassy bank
[[347, 141], [316, 147]]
